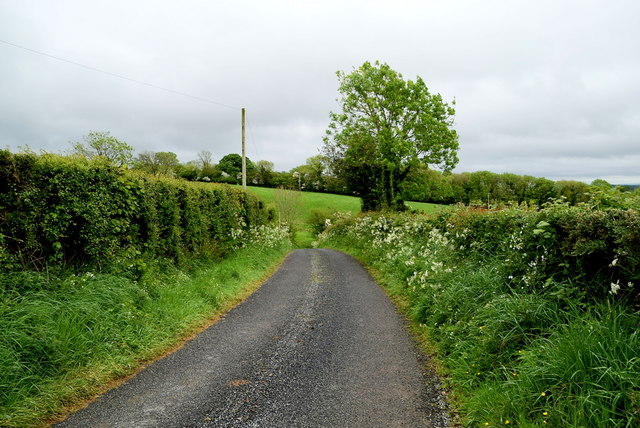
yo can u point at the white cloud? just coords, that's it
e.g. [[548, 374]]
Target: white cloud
[[544, 88]]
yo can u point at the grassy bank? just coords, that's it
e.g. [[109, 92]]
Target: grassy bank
[[307, 208], [68, 336], [531, 315]]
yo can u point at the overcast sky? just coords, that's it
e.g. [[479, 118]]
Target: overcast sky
[[548, 88]]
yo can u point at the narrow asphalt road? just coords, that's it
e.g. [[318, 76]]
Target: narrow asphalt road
[[318, 345]]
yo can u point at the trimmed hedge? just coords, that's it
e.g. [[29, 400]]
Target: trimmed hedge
[[58, 212]]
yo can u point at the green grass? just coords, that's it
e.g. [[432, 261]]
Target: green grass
[[312, 201], [61, 343], [325, 203], [426, 207], [331, 202]]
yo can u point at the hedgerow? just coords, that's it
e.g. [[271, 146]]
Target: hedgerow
[[533, 312], [102, 268], [58, 212]]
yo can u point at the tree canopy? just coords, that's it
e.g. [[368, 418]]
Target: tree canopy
[[388, 125], [103, 144], [157, 162], [231, 164], [264, 173]]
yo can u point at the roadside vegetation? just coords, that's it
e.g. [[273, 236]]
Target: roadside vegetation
[[71, 334], [531, 314], [102, 269], [532, 309]]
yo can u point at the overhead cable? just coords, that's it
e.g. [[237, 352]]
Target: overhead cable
[[119, 76]]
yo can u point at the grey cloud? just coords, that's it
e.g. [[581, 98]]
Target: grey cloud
[[543, 88]]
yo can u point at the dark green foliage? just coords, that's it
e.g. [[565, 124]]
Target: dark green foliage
[[231, 165], [58, 212], [318, 220], [484, 188]]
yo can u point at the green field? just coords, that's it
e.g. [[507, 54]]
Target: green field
[[327, 203], [311, 201], [330, 202]]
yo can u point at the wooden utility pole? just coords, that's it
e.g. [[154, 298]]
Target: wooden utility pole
[[244, 156]]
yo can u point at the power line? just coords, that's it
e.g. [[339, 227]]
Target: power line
[[252, 140], [119, 76]]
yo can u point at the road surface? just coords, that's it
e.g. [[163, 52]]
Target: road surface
[[318, 345]]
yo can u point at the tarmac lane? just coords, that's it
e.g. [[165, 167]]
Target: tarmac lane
[[318, 345]]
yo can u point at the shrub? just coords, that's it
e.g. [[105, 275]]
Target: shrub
[[61, 211]]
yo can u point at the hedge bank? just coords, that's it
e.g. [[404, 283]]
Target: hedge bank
[[60, 212]]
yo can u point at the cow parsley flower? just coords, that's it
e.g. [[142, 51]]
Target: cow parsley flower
[[615, 287]]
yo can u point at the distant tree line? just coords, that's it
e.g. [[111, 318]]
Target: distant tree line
[[486, 188], [422, 184]]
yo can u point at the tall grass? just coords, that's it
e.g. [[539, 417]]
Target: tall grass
[[585, 373], [68, 336]]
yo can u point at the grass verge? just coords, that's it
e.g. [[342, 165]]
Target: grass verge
[[67, 338]]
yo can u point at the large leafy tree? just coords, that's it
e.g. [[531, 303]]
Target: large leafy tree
[[388, 125], [264, 173]]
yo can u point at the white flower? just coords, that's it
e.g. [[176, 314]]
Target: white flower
[[614, 262], [615, 286]]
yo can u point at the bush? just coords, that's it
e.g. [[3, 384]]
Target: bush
[[62, 211], [318, 220]]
